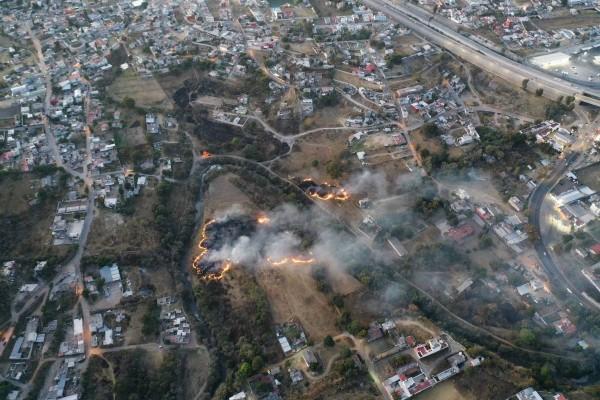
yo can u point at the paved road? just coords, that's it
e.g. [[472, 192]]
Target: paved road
[[555, 274], [426, 25]]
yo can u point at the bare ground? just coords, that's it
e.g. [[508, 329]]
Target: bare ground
[[292, 293]]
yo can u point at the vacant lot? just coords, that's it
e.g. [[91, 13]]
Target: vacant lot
[[352, 79], [590, 176], [328, 117], [584, 18], [222, 195], [445, 391], [25, 218], [145, 92], [312, 153], [292, 293], [499, 93], [114, 234], [196, 367]]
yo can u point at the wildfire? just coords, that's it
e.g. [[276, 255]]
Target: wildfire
[[340, 194], [290, 260], [324, 191], [201, 246], [263, 220], [211, 276], [205, 154], [220, 275]]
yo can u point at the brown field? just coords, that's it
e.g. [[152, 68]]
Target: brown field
[[589, 176], [322, 146], [420, 141], [17, 193], [329, 117], [196, 369], [499, 93], [170, 83], [27, 227], [348, 77], [145, 92], [305, 48], [292, 293], [222, 195], [584, 18], [136, 137], [343, 283], [116, 234], [133, 334], [444, 391]]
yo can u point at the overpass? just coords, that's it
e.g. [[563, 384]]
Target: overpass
[[426, 25]]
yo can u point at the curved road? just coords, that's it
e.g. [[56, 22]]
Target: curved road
[[555, 274]]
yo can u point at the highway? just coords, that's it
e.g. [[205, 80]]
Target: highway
[[425, 24]]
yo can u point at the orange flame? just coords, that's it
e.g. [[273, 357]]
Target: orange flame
[[263, 220], [215, 276], [220, 275], [205, 154], [290, 260], [335, 193], [201, 246], [340, 195]]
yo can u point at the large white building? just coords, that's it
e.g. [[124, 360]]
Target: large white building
[[551, 60]]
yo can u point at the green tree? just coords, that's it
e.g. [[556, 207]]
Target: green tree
[[527, 337], [128, 102], [328, 341], [245, 370]]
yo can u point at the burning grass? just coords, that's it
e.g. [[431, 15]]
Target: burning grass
[[216, 254], [323, 191]]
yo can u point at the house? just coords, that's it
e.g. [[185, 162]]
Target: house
[[309, 358], [110, 274], [564, 326], [516, 203], [432, 346], [295, 375], [595, 249], [572, 195], [528, 394], [458, 234]]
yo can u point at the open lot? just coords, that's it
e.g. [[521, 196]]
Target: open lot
[[115, 234], [499, 93], [196, 367], [590, 176], [146, 92], [311, 154], [584, 18], [328, 117], [222, 195], [292, 293], [25, 219]]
